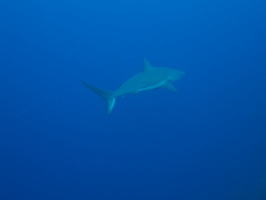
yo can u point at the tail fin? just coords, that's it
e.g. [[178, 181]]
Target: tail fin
[[108, 96]]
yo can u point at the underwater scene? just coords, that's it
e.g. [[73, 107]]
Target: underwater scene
[[132, 100]]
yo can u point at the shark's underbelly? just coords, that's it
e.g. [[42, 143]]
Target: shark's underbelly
[[150, 87], [136, 89]]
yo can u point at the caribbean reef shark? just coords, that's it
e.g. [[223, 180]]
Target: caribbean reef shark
[[150, 78]]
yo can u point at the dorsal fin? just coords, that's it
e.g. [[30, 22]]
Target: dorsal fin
[[147, 65]]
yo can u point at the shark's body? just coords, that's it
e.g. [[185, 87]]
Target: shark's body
[[150, 78]]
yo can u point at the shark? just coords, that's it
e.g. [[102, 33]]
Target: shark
[[148, 79]]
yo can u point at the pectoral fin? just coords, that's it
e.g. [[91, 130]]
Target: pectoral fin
[[169, 86]]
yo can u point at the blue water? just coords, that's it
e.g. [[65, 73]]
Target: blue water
[[207, 141]]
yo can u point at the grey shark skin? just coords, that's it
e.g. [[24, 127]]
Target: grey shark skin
[[150, 78]]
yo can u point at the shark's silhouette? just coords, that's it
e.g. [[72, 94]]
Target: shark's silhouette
[[150, 78]]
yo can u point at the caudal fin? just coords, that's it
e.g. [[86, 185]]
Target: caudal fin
[[108, 96]]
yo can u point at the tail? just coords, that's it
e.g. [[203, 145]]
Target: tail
[[108, 96]]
